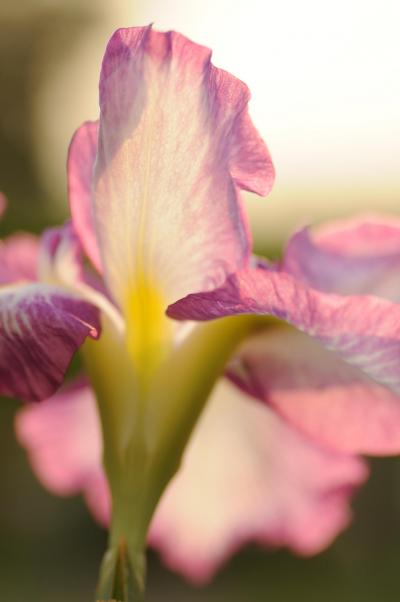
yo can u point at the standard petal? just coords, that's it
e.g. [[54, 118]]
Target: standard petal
[[41, 327], [363, 330], [175, 146], [246, 476], [329, 400], [18, 258], [359, 256], [63, 441], [81, 160]]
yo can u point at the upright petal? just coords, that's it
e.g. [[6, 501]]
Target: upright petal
[[363, 330], [360, 256], [246, 476], [62, 437], [326, 398], [81, 160], [41, 327], [175, 147]]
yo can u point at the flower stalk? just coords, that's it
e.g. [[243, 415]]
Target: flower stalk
[[140, 463], [120, 579]]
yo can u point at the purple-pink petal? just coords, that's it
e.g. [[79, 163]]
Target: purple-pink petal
[[358, 256], [363, 330], [81, 160], [246, 476], [63, 440], [361, 236], [323, 396], [60, 258], [41, 327], [59, 248], [176, 145]]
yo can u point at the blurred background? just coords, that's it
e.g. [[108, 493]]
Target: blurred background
[[326, 95]]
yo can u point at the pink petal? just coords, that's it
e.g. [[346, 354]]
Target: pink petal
[[247, 476], [60, 258], [41, 327], [176, 145], [354, 257], [362, 236], [62, 437], [18, 258], [364, 331], [61, 263], [329, 400], [81, 159]]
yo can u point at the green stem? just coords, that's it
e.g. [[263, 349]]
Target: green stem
[[121, 576], [144, 439], [183, 385]]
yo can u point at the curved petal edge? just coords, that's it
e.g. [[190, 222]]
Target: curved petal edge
[[41, 327]]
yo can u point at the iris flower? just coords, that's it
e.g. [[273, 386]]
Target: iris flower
[[159, 246]]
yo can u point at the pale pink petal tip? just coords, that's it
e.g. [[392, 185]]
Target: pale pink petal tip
[[246, 476], [363, 235], [250, 163], [176, 147], [358, 256], [63, 441]]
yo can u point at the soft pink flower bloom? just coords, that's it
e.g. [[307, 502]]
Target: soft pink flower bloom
[[155, 201], [155, 89], [246, 476]]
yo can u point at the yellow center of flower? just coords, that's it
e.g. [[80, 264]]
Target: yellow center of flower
[[148, 328]]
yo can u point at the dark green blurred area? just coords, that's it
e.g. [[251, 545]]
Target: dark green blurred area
[[49, 548]]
